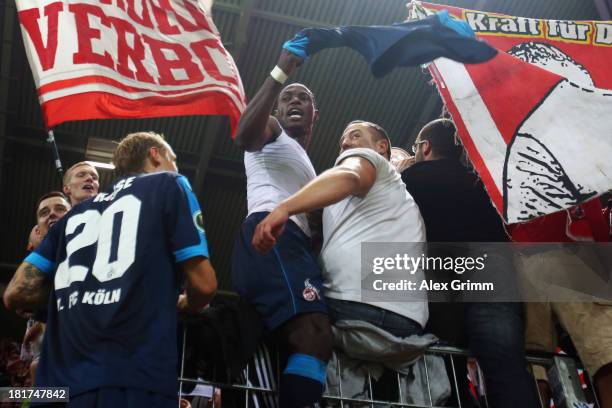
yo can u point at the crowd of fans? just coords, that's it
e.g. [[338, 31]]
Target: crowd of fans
[[300, 268]]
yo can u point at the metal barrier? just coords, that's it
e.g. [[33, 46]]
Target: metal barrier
[[562, 374]]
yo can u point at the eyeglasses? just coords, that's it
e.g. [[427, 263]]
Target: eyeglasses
[[414, 146]]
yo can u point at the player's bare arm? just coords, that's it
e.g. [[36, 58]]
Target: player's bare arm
[[200, 285], [256, 126], [353, 176], [29, 289]]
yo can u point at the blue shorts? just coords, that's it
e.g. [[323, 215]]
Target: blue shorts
[[283, 283], [114, 397]]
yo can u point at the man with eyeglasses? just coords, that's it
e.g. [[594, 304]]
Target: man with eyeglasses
[[452, 200], [456, 208]]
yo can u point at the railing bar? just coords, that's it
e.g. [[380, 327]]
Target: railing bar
[[371, 393], [278, 372], [535, 380], [339, 370], [246, 381], [365, 401], [278, 376], [485, 390], [455, 380], [593, 390], [427, 380], [547, 361], [182, 363], [226, 386], [399, 388], [451, 352]]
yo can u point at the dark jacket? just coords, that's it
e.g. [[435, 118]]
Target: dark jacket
[[453, 202], [455, 208]]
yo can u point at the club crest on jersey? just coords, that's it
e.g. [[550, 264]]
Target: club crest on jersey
[[310, 293], [198, 221]]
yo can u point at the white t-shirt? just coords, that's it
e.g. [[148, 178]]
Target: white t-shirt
[[276, 172], [386, 214]]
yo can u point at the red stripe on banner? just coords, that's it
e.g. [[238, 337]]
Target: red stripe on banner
[[92, 79], [472, 152], [102, 105], [94, 84], [510, 88]]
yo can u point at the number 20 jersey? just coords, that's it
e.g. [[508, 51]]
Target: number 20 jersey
[[113, 261]]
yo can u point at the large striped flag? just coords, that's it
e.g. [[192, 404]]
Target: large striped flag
[[127, 59], [536, 120]]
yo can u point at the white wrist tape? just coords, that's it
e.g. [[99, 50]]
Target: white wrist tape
[[279, 75]]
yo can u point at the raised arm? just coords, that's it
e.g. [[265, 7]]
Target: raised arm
[[29, 289], [353, 176], [256, 126]]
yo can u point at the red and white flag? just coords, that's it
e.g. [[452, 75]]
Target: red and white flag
[[97, 59], [536, 121]]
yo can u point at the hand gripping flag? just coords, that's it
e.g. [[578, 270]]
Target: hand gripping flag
[[536, 120], [128, 59]]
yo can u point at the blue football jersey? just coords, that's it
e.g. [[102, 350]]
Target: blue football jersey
[[113, 261]]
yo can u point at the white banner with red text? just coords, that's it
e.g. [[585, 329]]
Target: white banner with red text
[[102, 59]]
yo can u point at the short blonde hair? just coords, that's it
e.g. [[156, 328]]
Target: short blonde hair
[[133, 150], [69, 172]]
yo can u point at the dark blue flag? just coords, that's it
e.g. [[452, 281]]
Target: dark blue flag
[[404, 44]]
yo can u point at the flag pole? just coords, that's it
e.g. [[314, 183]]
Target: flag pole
[[56, 157]]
